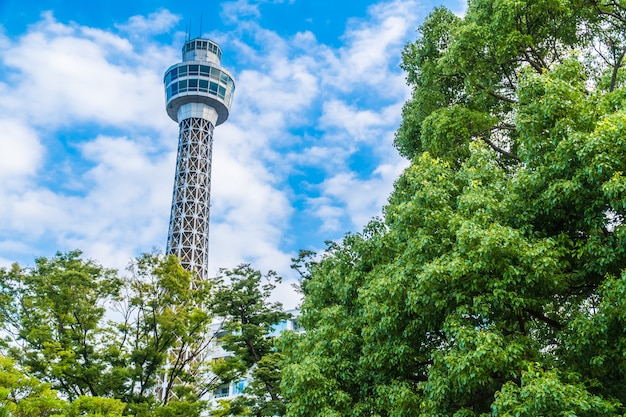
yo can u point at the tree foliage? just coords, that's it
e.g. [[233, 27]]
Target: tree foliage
[[93, 336], [495, 282], [242, 299]]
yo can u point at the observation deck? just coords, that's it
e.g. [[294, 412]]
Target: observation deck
[[197, 81]]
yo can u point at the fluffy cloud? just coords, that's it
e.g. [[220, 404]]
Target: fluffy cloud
[[21, 152], [160, 21]]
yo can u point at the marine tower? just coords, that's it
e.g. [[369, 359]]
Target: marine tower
[[198, 92]]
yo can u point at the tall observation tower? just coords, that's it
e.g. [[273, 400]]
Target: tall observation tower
[[198, 93]]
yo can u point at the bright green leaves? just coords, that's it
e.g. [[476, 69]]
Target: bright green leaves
[[24, 396], [447, 132], [57, 310], [468, 371], [241, 299], [552, 106], [435, 84], [595, 339], [550, 394], [158, 329], [164, 331], [96, 407]]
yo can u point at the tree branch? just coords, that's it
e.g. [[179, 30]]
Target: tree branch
[[500, 150], [541, 317]]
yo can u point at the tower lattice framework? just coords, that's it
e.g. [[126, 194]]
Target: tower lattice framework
[[189, 220]]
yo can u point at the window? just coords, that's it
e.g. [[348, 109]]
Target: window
[[182, 71], [174, 89], [204, 85], [173, 73], [182, 86], [193, 85], [193, 69], [221, 391], [221, 91], [215, 73], [213, 87], [239, 387], [204, 70], [224, 78]]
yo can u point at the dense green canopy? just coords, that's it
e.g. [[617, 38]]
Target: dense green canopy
[[495, 283]]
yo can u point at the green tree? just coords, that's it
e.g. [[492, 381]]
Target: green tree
[[242, 300], [494, 283], [149, 352], [56, 313], [164, 333]]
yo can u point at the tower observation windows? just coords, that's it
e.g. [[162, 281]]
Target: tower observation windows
[[190, 78], [203, 45]]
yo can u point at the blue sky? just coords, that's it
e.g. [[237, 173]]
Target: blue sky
[[87, 152]]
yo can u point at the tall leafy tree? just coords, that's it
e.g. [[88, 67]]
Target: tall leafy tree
[[242, 300], [493, 285], [56, 315]]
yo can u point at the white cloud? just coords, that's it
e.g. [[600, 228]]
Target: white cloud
[[62, 74], [234, 11], [372, 46], [360, 124], [358, 199], [21, 152], [160, 21]]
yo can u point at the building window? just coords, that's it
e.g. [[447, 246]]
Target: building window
[[221, 391], [173, 74], [239, 387]]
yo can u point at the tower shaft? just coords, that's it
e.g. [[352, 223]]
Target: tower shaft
[[188, 236]]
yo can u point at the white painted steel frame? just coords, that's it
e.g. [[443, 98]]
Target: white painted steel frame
[[188, 236]]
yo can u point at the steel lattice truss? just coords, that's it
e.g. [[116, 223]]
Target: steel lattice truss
[[188, 236]]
